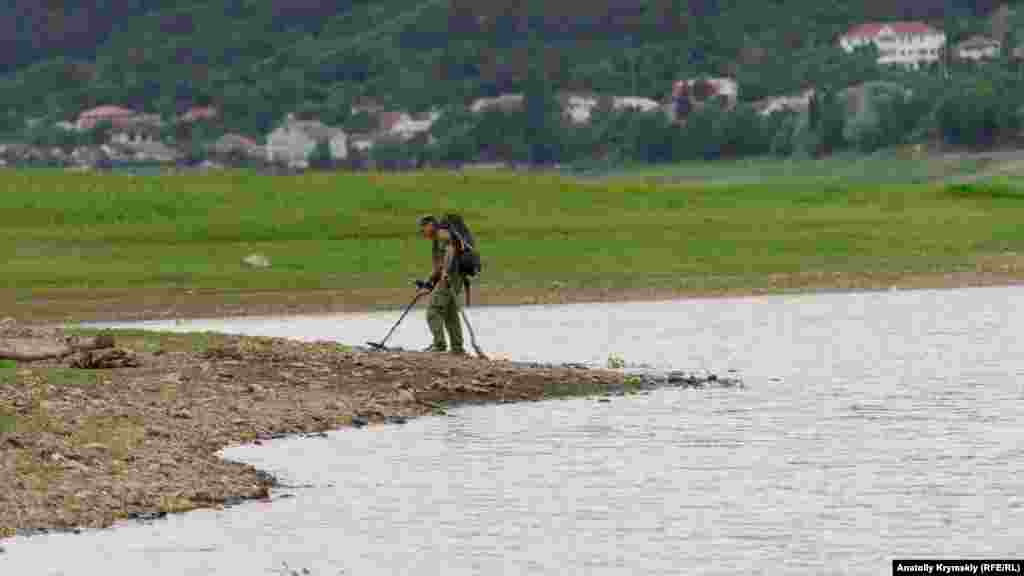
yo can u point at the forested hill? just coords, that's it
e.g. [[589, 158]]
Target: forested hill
[[259, 59]]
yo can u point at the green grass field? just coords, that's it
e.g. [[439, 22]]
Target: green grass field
[[63, 231], [896, 166]]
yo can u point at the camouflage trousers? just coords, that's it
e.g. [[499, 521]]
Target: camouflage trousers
[[443, 313]]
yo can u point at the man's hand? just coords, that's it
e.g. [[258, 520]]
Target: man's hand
[[423, 288]]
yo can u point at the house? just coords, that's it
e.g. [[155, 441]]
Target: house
[[138, 129], [408, 127], [236, 145], [394, 127], [690, 94], [635, 103], [370, 107], [505, 103], [400, 124], [89, 156], [909, 44], [978, 48], [93, 117], [147, 151], [789, 103], [362, 142], [387, 121], [295, 140], [703, 89], [578, 108], [199, 113]]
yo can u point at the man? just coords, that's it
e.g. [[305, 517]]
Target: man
[[445, 287]]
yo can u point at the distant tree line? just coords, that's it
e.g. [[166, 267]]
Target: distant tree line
[[258, 60]]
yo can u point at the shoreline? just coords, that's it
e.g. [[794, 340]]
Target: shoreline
[[68, 306], [84, 449], [88, 448]]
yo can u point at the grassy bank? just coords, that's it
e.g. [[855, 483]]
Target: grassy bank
[[83, 246]]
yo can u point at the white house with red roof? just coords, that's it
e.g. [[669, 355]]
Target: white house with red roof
[[979, 48], [93, 117], [907, 43], [726, 88], [198, 114]]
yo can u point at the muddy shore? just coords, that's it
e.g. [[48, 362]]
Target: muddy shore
[[74, 305], [86, 448]]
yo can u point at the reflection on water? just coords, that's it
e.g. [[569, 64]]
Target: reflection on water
[[873, 426]]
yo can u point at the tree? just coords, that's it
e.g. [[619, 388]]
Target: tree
[[393, 154], [197, 152], [321, 157], [99, 134], [453, 136], [976, 115], [361, 123], [542, 119], [831, 120]]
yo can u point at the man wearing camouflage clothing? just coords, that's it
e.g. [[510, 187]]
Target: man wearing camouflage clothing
[[445, 287]]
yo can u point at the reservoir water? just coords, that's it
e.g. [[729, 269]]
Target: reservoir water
[[872, 426]]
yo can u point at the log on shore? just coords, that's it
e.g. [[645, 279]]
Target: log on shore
[[35, 349]]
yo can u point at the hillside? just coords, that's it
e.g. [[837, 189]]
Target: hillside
[[260, 59]]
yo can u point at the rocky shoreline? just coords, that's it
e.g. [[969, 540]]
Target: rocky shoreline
[[84, 448]]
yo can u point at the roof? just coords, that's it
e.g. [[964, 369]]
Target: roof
[[635, 102], [314, 129], [504, 102], [979, 41], [199, 113], [106, 112], [872, 29], [388, 120], [719, 86], [236, 140]]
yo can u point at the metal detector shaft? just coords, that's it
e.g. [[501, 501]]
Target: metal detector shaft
[[472, 335], [408, 308]]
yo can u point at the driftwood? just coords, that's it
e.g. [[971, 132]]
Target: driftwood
[[105, 359], [34, 349]]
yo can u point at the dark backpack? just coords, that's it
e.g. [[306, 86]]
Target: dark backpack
[[467, 253]]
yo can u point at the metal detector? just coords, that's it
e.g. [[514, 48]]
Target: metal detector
[[382, 345]]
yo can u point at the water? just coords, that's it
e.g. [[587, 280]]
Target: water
[[873, 426]]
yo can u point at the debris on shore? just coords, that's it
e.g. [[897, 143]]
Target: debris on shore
[[134, 431], [27, 344]]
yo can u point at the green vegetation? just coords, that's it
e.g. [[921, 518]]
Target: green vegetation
[[574, 389], [73, 378], [646, 230], [890, 167], [7, 423], [8, 371], [616, 362], [260, 59], [152, 341], [632, 384]]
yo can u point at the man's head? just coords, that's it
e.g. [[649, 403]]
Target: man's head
[[428, 227]]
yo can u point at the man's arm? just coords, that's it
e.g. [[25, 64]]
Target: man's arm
[[435, 275], [449, 257], [441, 262]]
